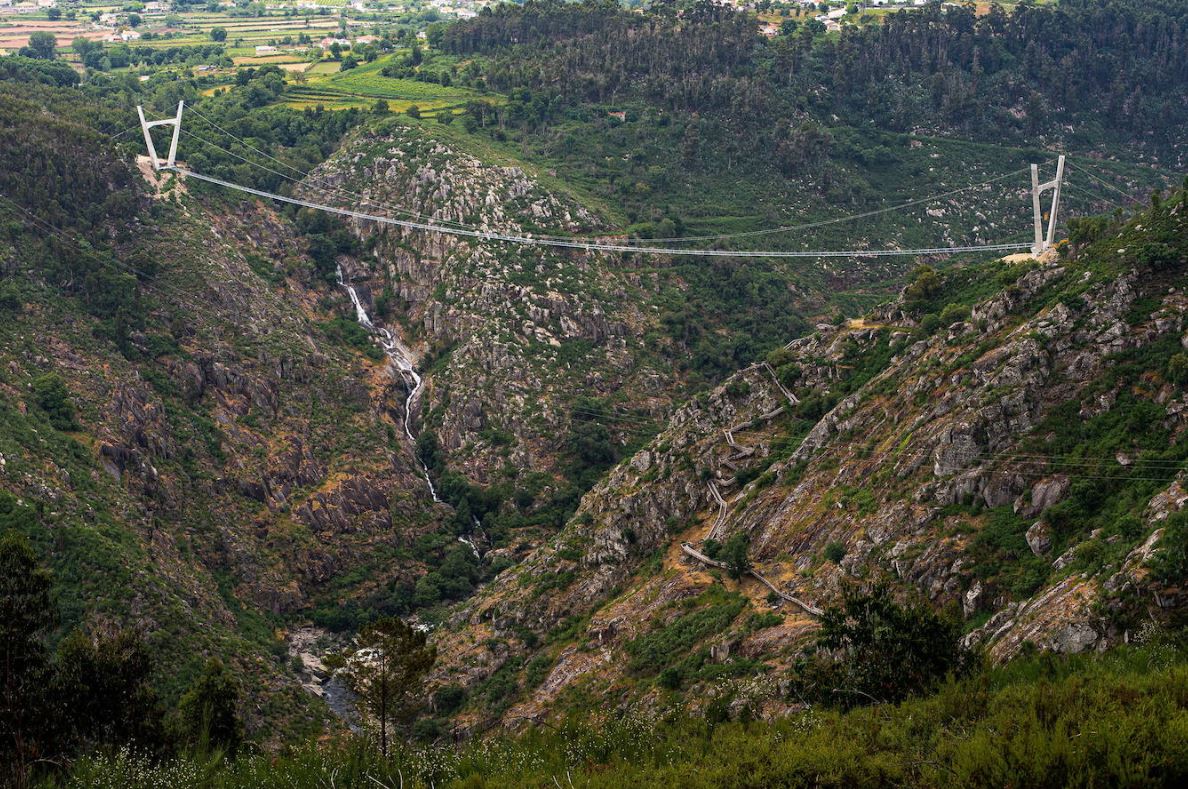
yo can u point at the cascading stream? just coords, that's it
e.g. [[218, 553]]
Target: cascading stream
[[462, 538], [401, 357]]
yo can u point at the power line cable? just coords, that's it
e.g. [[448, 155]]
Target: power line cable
[[144, 279], [851, 217], [306, 175], [1017, 458], [614, 417], [1095, 196]]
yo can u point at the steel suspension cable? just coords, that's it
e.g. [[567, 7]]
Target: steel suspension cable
[[592, 246], [651, 241]]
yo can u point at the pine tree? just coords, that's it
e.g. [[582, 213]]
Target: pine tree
[[26, 617], [102, 686], [208, 712], [387, 670]]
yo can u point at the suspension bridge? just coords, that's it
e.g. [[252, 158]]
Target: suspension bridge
[[1042, 241]]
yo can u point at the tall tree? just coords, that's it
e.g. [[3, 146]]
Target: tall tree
[[102, 688], [42, 45], [26, 617], [387, 670], [873, 649], [208, 712]]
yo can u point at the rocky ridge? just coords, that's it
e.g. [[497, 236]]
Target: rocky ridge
[[231, 465], [515, 332], [955, 464]]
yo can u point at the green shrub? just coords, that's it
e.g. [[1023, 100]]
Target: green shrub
[[348, 332], [10, 297], [764, 620], [1177, 369], [52, 396], [925, 285], [671, 678], [1169, 564], [738, 388], [1157, 255], [734, 553], [1000, 552], [875, 649], [429, 729], [537, 670], [664, 646], [953, 313]]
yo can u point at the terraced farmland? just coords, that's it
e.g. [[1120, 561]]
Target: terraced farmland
[[363, 86], [247, 33]]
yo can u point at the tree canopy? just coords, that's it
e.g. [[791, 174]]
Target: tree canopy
[[386, 668]]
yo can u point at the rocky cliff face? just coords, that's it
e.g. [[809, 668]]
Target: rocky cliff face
[[1015, 464], [235, 462], [515, 333]]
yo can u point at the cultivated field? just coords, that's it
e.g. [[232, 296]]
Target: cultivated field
[[314, 78], [15, 31], [326, 85]]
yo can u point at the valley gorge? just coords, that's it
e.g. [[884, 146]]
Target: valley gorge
[[577, 393]]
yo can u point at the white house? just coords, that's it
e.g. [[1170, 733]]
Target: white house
[[265, 49], [836, 13], [122, 35]]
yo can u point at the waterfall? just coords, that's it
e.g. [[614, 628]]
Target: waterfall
[[467, 541], [402, 358]]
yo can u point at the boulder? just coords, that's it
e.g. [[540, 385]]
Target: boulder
[[1073, 638], [1044, 494], [1039, 538], [971, 602]]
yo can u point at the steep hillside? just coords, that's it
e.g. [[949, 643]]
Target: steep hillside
[[1002, 438], [516, 335], [245, 431], [196, 435]]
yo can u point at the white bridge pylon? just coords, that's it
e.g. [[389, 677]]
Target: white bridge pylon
[[148, 138], [1043, 243]]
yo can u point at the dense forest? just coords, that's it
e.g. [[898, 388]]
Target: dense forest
[[1084, 72]]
